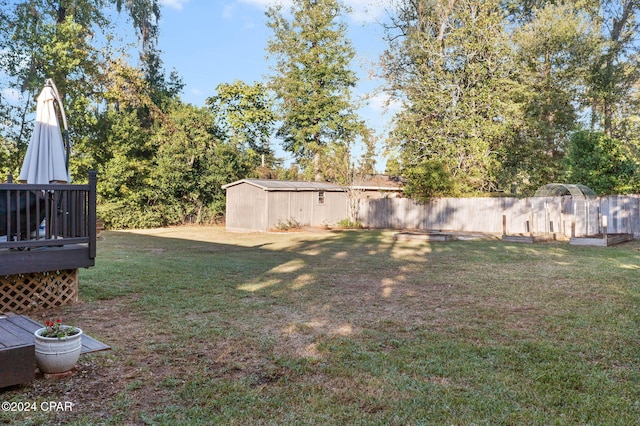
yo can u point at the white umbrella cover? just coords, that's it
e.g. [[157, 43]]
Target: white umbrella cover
[[45, 161]]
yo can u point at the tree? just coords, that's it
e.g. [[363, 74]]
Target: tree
[[191, 165], [451, 64], [494, 90], [431, 178], [168, 174], [124, 170], [244, 114], [70, 42], [615, 70], [367, 160], [161, 90], [580, 69], [54, 38], [313, 83], [602, 163], [555, 45]]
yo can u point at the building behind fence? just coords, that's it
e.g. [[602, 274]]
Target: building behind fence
[[566, 215]]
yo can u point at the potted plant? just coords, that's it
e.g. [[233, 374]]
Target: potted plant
[[57, 346]]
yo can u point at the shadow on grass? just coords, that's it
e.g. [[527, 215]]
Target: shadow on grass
[[342, 282], [356, 327]]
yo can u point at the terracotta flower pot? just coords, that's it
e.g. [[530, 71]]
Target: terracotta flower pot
[[57, 354]]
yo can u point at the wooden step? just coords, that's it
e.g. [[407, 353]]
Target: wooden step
[[17, 349]]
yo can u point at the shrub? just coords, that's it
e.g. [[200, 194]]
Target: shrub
[[290, 224], [349, 224], [429, 179]]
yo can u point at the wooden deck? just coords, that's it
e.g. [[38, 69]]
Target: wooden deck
[[43, 259], [17, 349], [47, 227], [23, 326]]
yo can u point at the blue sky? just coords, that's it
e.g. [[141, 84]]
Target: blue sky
[[209, 42], [212, 42]]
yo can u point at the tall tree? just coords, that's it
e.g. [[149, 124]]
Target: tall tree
[[450, 62], [245, 116], [313, 82], [69, 41], [615, 70], [555, 45]]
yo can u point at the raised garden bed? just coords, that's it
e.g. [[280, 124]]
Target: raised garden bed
[[601, 240], [528, 238], [405, 236], [441, 236]]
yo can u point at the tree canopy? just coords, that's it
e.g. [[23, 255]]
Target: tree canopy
[[493, 91], [313, 83], [497, 96]]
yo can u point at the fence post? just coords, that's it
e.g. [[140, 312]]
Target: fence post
[[531, 224]]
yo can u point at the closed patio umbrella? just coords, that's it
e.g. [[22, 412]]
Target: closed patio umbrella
[[46, 160]]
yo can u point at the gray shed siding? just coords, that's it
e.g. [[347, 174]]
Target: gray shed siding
[[255, 205], [245, 208], [303, 207], [334, 210]]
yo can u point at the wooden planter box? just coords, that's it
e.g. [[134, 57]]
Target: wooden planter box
[[406, 236], [437, 235], [601, 240], [528, 238]]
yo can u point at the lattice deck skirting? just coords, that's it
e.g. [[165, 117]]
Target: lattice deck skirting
[[39, 290]]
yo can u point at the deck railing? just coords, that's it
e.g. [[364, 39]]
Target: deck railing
[[54, 215]]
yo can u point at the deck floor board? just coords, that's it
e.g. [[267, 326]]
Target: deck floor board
[[10, 336]]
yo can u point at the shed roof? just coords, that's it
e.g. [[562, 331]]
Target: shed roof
[[286, 185]]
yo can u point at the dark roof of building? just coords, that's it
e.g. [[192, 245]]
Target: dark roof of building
[[379, 183]]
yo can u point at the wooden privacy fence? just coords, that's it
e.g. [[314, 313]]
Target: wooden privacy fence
[[561, 215]]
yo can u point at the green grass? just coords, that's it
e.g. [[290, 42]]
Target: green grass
[[353, 327]]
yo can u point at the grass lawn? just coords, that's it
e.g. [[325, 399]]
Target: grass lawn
[[209, 327]]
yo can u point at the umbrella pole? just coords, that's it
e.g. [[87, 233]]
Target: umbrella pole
[[51, 83], [68, 147]]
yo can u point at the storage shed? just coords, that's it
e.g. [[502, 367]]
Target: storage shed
[[263, 204]]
